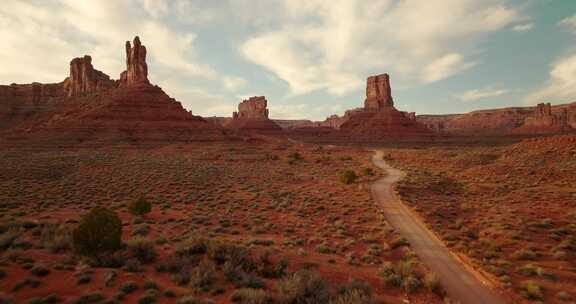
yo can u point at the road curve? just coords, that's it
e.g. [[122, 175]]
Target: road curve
[[461, 284]]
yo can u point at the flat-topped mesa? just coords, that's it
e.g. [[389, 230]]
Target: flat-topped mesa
[[136, 67], [252, 108], [85, 79], [378, 93], [543, 120]]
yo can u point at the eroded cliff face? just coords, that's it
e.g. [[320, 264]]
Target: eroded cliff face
[[540, 119], [21, 102], [378, 93], [252, 117], [84, 79]]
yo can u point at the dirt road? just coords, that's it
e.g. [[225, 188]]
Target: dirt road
[[461, 283]]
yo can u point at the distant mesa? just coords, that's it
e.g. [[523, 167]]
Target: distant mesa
[[252, 117]]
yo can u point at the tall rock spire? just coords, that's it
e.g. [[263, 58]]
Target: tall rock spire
[[136, 67]]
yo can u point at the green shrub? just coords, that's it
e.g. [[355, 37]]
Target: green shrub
[[98, 232], [348, 177], [128, 287], [140, 206], [192, 300]]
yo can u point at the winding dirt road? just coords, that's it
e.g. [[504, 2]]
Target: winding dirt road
[[462, 284]]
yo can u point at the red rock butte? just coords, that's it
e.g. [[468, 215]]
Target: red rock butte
[[252, 117], [88, 105], [379, 117]]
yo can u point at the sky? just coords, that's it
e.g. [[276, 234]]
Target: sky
[[310, 58]]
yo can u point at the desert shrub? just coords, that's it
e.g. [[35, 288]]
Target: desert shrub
[[49, 299], [99, 231], [150, 285], [133, 265], [348, 177], [250, 296], [433, 284], [531, 290], [9, 237], [192, 300], [192, 246], [149, 297], [181, 278], [140, 206], [399, 242], [401, 275], [295, 156], [524, 254], [142, 249], [303, 286], [354, 296], [90, 298], [355, 291], [128, 287], [529, 270], [56, 237], [368, 171], [40, 271], [202, 275]]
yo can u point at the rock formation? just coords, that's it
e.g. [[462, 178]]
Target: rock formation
[[85, 79], [379, 117], [133, 111], [136, 67], [378, 93], [255, 107], [252, 116], [21, 102], [543, 118]]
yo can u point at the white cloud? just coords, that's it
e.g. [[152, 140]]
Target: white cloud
[[334, 44], [482, 93], [445, 67], [234, 83], [569, 23], [523, 27], [561, 85]]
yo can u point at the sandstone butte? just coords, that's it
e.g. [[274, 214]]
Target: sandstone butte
[[379, 117], [252, 117], [90, 105]]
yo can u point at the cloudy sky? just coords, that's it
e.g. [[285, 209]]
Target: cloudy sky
[[310, 58]]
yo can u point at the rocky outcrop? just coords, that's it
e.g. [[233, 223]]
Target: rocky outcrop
[[136, 67], [379, 118], [21, 102], [378, 93], [543, 118], [252, 117], [255, 107], [85, 79]]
